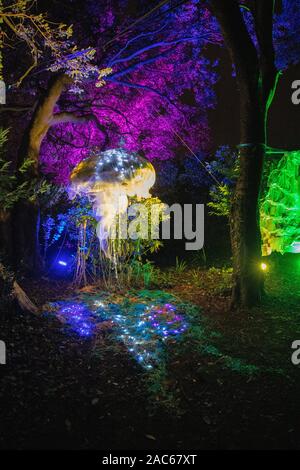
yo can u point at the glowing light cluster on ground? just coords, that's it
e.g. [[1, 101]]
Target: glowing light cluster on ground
[[141, 327]]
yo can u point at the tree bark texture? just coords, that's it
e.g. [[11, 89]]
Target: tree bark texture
[[256, 80]]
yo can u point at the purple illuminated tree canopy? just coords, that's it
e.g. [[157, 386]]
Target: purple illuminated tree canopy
[[162, 84], [162, 81], [157, 95]]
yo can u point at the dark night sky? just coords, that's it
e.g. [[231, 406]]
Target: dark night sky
[[284, 116]]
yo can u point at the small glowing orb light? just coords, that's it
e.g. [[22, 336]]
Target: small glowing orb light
[[263, 266], [62, 263], [108, 178]]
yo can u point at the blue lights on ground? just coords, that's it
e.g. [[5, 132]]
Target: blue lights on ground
[[141, 327], [77, 315]]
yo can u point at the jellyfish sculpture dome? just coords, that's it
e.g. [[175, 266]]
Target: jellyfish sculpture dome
[[107, 179]]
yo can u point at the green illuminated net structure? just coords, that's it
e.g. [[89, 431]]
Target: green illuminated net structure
[[280, 204]]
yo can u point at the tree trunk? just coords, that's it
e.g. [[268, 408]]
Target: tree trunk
[[6, 246], [26, 214], [26, 226], [245, 230], [256, 80], [12, 295], [244, 219]]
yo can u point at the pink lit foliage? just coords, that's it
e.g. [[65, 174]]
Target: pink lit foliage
[[157, 94]]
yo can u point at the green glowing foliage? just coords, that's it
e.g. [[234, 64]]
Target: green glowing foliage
[[11, 190], [220, 203], [280, 206], [280, 200]]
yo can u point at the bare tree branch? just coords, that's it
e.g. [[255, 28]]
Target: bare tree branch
[[140, 87], [15, 109], [153, 46], [137, 65], [64, 117], [132, 40]]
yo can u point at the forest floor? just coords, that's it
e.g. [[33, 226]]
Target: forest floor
[[227, 383]]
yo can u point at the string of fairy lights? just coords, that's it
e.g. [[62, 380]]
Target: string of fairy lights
[[143, 329]]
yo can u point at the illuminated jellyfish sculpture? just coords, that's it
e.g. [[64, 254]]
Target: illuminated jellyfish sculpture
[[107, 179]]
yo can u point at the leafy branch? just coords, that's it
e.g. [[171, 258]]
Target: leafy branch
[[11, 190]]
